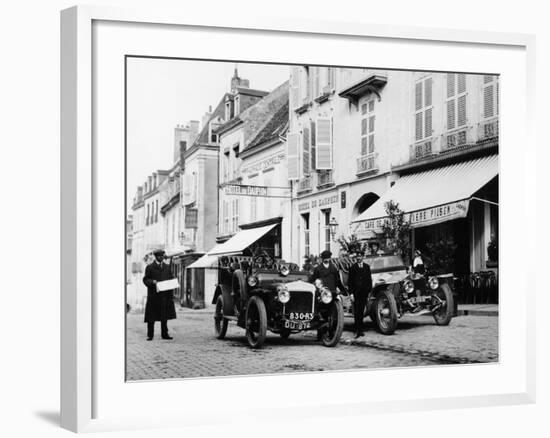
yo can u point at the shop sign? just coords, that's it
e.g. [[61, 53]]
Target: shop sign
[[244, 190], [322, 202], [262, 165], [420, 218], [191, 218]]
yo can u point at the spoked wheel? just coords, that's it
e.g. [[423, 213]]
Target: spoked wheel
[[256, 322], [443, 314], [335, 325], [220, 323], [384, 312]]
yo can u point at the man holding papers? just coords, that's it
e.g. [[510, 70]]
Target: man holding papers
[[160, 302]]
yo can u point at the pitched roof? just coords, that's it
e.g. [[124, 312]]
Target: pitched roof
[[219, 111], [274, 127]]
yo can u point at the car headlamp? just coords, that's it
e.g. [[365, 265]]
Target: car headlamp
[[252, 281], [284, 271], [433, 282], [408, 285], [326, 296], [283, 295]]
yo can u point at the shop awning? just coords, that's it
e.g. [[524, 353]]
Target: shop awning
[[431, 197], [206, 261], [240, 241]]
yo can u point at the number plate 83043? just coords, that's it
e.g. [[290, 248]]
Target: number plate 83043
[[303, 316]]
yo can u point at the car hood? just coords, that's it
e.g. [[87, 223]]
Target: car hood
[[300, 286], [389, 277]]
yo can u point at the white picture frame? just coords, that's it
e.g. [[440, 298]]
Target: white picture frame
[[83, 370]]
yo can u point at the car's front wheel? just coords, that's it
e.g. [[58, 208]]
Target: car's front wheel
[[384, 312], [332, 333], [256, 322], [444, 298], [220, 323]]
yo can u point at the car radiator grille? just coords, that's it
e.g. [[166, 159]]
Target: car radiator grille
[[299, 302]]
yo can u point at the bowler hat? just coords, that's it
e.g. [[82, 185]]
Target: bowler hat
[[159, 252], [326, 254]]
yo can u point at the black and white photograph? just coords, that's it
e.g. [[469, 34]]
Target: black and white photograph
[[308, 218]]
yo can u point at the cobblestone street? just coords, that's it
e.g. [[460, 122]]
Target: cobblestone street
[[195, 352]]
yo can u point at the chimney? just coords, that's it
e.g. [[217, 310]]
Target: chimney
[[183, 147], [236, 81]]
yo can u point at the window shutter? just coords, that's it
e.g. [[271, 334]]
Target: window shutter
[[451, 114], [364, 146], [450, 84], [306, 160], [428, 122], [418, 126], [461, 116], [488, 99], [295, 87], [371, 124], [324, 144], [461, 83], [292, 156], [363, 126], [428, 92], [371, 143], [312, 131], [418, 96]]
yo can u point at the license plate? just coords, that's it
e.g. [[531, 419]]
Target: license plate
[[297, 325]]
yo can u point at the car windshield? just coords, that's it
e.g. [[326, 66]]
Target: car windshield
[[385, 262]]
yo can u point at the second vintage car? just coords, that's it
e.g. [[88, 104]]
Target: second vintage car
[[262, 294]]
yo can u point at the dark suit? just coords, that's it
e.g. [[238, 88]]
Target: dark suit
[[160, 305], [329, 276], [360, 285]]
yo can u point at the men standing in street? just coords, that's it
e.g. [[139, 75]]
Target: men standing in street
[[160, 305], [360, 285], [328, 274]]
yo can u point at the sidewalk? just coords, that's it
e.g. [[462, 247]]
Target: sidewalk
[[478, 309]]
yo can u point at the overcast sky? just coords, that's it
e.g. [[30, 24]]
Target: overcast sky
[[164, 92]]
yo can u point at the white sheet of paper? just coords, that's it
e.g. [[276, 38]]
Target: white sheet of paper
[[167, 285]]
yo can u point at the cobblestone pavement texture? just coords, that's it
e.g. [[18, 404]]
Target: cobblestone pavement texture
[[195, 352]]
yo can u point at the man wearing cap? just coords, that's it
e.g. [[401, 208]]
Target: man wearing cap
[[328, 273], [360, 285], [160, 305]]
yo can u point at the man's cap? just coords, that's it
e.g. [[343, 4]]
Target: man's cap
[[326, 254], [159, 252]]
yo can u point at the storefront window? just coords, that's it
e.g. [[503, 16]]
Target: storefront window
[[305, 221], [326, 213]]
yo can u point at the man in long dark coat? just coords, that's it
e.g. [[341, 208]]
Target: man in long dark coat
[[328, 273], [160, 305], [360, 285]]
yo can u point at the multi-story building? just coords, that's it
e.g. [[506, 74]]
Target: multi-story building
[[252, 168], [428, 141]]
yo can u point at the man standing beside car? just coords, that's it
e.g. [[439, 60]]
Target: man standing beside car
[[360, 286], [328, 274], [160, 305]]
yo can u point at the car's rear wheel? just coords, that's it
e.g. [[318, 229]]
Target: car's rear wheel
[[335, 324], [220, 323], [444, 314], [256, 322], [384, 312]]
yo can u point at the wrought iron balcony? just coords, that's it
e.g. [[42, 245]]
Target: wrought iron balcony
[[488, 129], [421, 150], [324, 178], [367, 163], [305, 184]]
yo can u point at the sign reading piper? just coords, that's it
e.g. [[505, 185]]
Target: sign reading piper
[[420, 218]]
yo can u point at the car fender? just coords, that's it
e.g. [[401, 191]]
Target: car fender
[[225, 292]]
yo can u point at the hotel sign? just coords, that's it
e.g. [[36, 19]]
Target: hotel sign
[[322, 202], [419, 218], [244, 190], [263, 165]]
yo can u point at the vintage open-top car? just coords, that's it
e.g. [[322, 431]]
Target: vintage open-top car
[[397, 292], [261, 293]]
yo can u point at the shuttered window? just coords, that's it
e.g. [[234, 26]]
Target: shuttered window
[[423, 107], [368, 123], [295, 101], [490, 96], [456, 101], [313, 153], [292, 156], [306, 159], [323, 145]]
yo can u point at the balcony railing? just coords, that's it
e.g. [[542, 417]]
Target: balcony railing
[[456, 139], [367, 163], [324, 178], [305, 184], [422, 149], [488, 129]]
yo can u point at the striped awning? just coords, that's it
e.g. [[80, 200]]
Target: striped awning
[[431, 197]]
